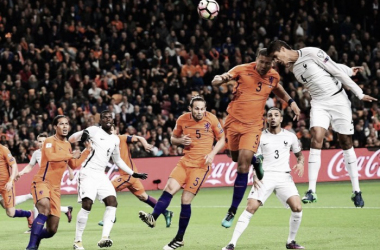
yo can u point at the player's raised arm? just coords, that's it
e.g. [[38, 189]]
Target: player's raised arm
[[76, 136], [28, 168], [220, 79], [280, 92], [135, 138], [55, 156]]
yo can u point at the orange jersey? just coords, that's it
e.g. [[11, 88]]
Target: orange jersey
[[6, 159], [250, 92], [125, 153], [55, 155], [202, 133]]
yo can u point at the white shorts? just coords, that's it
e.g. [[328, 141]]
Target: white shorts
[[336, 110], [94, 185], [280, 183]]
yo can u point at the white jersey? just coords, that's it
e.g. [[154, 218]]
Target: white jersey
[[275, 149], [321, 76], [36, 157], [103, 147]]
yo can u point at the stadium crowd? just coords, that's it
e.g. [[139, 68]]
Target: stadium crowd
[[143, 60]]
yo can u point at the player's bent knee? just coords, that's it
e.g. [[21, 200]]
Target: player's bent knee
[[297, 209]]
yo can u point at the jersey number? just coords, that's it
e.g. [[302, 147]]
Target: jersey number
[[196, 182], [277, 154], [198, 133], [258, 89]]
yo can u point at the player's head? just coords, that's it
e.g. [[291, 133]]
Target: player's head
[[197, 107], [106, 120], [279, 51], [263, 62], [274, 117], [61, 125], [41, 139]]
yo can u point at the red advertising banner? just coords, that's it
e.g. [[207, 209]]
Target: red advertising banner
[[224, 170]]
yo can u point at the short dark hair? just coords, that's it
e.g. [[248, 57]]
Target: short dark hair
[[104, 112], [55, 121], [276, 46], [196, 99], [274, 108], [42, 135], [262, 52]]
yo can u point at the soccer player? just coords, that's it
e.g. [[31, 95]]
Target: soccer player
[[36, 158], [244, 123], [56, 154], [275, 145], [196, 131], [134, 185], [7, 186], [324, 79], [92, 182]]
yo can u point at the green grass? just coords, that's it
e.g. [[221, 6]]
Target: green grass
[[332, 223]]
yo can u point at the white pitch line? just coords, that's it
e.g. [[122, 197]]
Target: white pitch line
[[303, 207]]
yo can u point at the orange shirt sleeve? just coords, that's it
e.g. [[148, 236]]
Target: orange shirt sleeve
[[76, 163], [53, 156], [8, 156], [217, 128], [235, 71]]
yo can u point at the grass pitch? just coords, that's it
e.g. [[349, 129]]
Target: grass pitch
[[331, 223]]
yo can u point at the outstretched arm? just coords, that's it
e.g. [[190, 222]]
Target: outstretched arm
[[280, 92]]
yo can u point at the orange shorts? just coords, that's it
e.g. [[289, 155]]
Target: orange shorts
[[126, 181], [8, 196], [43, 189], [242, 135], [192, 177]]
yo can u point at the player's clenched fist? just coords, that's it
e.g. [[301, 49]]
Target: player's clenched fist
[[186, 140], [142, 176]]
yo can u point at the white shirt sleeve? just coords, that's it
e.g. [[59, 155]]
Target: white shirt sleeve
[[75, 137], [330, 66], [345, 69], [33, 160], [296, 148], [118, 161]]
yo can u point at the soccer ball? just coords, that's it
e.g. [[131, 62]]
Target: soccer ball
[[208, 9]]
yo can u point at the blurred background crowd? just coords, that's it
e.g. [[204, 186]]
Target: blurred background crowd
[[144, 59]]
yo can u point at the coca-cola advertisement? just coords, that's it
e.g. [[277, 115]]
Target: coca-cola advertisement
[[223, 171]]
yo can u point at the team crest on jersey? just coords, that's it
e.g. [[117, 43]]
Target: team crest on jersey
[[270, 81], [207, 126], [41, 192]]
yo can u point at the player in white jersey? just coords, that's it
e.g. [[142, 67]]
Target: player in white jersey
[[36, 158], [92, 182], [324, 79], [275, 146]]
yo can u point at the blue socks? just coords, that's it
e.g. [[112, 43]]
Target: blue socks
[[184, 219], [162, 204], [239, 190], [37, 229], [22, 213], [152, 202]]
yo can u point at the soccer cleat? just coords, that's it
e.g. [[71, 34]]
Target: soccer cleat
[[78, 245], [258, 167], [356, 197], [28, 231], [174, 244], [30, 219], [168, 218], [105, 242], [293, 245], [147, 218], [229, 247], [69, 214], [227, 221], [309, 197]]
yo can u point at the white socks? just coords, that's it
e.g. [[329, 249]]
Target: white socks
[[241, 225], [22, 198], [350, 161], [108, 220], [82, 218], [64, 209], [314, 166], [294, 224]]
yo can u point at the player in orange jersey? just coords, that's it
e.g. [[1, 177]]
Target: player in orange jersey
[[56, 154], [7, 186], [127, 181], [196, 131], [244, 123]]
